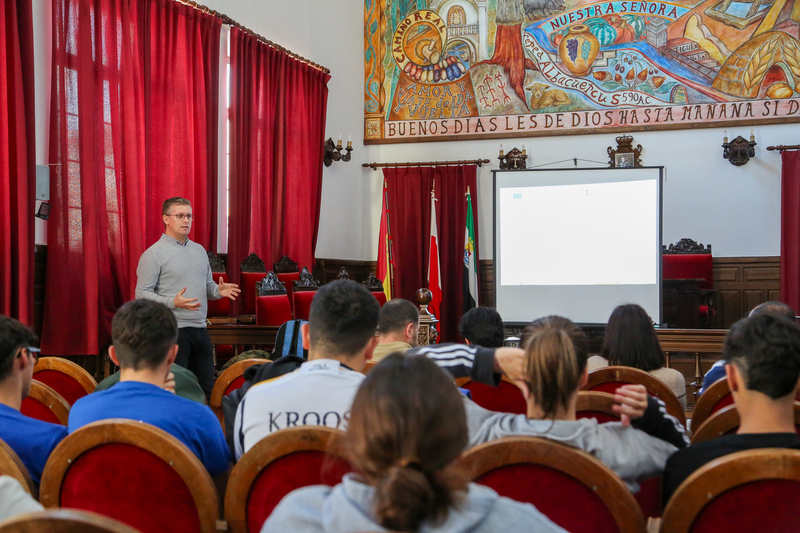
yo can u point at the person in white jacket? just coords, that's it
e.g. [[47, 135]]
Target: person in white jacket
[[407, 427]]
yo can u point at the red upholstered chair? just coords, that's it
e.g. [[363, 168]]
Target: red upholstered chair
[[43, 403], [693, 305], [374, 285], [222, 307], [726, 421], [715, 397], [754, 490], [134, 473], [572, 488], [287, 272], [64, 521], [505, 398], [11, 465], [278, 464], [304, 290], [608, 379], [253, 271], [230, 380], [272, 303], [68, 379]]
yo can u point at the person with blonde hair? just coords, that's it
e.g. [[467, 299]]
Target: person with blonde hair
[[407, 427], [556, 351]]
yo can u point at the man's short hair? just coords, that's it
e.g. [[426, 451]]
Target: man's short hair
[[143, 332], [343, 318], [766, 350], [175, 200], [13, 336], [775, 308], [396, 314], [483, 326]]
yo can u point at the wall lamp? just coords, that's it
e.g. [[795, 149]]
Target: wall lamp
[[333, 152], [514, 159], [739, 151]]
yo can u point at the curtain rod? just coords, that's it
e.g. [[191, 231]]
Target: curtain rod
[[376, 166], [782, 147], [230, 22]]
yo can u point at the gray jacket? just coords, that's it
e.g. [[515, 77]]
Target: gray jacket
[[631, 453], [347, 508]]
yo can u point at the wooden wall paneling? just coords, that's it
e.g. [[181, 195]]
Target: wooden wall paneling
[[326, 270], [742, 283], [486, 275]]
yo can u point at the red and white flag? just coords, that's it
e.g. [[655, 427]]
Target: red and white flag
[[434, 274]]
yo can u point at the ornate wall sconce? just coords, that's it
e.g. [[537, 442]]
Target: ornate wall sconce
[[514, 159], [739, 151], [333, 152]]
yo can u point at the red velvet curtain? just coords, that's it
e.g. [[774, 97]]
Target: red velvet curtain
[[408, 192], [115, 160], [277, 122], [790, 229], [17, 160]]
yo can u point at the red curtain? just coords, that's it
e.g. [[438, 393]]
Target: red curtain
[[17, 160], [408, 191], [115, 161], [277, 122], [790, 229]]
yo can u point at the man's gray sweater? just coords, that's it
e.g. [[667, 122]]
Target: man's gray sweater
[[167, 267]]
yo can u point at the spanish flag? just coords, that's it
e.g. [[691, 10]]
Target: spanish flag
[[385, 249]]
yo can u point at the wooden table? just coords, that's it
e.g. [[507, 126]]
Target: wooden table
[[239, 334]]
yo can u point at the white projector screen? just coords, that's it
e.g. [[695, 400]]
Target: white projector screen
[[577, 242]]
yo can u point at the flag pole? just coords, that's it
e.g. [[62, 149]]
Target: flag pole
[[389, 243]]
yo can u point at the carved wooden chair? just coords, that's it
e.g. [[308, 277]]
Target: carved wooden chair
[[375, 286], [44, 403], [754, 490], [278, 464], [253, 271], [608, 379], [132, 472], [68, 379], [272, 302], [505, 398], [231, 379], [715, 397], [288, 273], [726, 421], [688, 305], [12, 465], [64, 521], [572, 488], [304, 290]]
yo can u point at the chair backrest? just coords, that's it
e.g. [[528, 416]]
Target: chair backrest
[[68, 379], [44, 403], [505, 398], [278, 464], [253, 270], [12, 465], [572, 488], [726, 421], [608, 379], [754, 490], [688, 260], [597, 405], [716, 396], [369, 366], [64, 521], [133, 472], [222, 306], [273, 310], [302, 303], [231, 379]]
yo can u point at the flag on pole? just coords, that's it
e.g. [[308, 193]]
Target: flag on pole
[[470, 282], [384, 249], [434, 274]]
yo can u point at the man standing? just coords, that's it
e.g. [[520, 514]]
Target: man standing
[[175, 272]]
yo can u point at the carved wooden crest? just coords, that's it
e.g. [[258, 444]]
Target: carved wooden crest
[[217, 264], [373, 284], [343, 274], [513, 160], [686, 246], [253, 264], [284, 265], [270, 285], [625, 155], [306, 282]]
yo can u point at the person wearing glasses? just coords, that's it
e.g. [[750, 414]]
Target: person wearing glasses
[[33, 440], [175, 272]]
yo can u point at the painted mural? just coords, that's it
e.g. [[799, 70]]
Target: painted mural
[[455, 69]]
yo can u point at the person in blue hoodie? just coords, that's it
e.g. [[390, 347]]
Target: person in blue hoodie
[[407, 427]]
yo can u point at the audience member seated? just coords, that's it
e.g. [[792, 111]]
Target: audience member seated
[[763, 370], [398, 327], [630, 340], [406, 429], [14, 500], [482, 326], [556, 351], [144, 336], [717, 370], [340, 338], [32, 440], [181, 380]]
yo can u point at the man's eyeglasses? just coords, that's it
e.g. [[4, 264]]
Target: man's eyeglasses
[[182, 217], [34, 352]]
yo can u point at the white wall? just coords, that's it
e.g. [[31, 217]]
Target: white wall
[[735, 209]]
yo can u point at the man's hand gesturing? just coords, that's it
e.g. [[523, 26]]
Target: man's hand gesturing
[[186, 303], [230, 290]]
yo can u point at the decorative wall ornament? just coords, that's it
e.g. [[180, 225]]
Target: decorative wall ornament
[[625, 155], [270, 285], [739, 151], [514, 160], [333, 152], [306, 282]]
